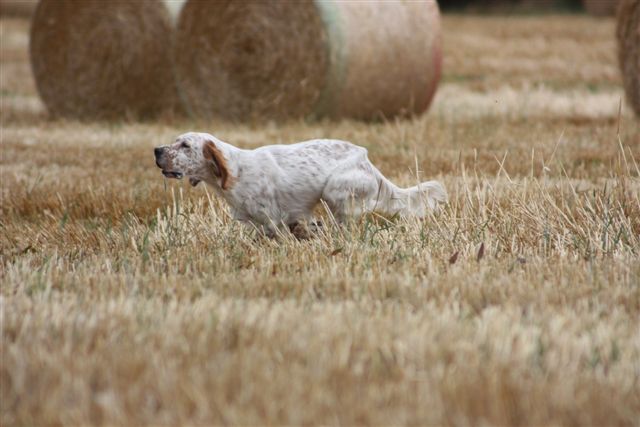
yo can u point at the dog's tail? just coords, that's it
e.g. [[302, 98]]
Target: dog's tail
[[413, 201]]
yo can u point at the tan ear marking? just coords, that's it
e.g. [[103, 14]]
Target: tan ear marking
[[213, 153]]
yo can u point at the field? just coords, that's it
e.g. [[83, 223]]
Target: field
[[127, 299]]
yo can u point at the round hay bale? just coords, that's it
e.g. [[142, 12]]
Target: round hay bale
[[241, 59], [366, 60], [628, 34], [96, 61], [17, 8], [600, 7]]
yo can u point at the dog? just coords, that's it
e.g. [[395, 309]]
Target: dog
[[278, 186]]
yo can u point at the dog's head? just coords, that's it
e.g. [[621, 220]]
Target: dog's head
[[196, 156]]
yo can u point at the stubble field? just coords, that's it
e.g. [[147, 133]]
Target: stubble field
[[127, 299]]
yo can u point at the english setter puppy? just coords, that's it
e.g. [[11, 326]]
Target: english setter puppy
[[278, 186]]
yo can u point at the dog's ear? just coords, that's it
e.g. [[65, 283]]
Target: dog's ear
[[221, 169]]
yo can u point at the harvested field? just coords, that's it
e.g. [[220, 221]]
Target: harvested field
[[127, 299]]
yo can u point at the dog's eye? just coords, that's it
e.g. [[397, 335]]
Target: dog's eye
[[184, 145]]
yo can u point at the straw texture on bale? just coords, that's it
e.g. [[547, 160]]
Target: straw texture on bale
[[18, 8], [600, 7], [96, 61], [628, 32], [386, 58], [244, 60]]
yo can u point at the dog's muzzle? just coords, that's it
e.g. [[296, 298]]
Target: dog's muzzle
[[158, 152]]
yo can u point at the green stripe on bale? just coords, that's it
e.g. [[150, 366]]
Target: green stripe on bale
[[336, 48]]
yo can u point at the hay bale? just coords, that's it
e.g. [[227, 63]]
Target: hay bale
[[600, 7], [628, 34], [242, 60], [17, 8], [97, 61]]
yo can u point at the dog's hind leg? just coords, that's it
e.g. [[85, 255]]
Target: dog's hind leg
[[352, 190], [358, 187]]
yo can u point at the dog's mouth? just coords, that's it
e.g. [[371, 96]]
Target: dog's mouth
[[172, 174]]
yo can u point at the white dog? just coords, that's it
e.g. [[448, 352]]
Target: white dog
[[279, 185]]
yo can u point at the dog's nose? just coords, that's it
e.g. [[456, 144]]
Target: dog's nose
[[157, 151]]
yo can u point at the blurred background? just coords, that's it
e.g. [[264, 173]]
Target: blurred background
[[257, 60]]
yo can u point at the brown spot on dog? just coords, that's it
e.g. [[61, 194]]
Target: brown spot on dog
[[213, 153]]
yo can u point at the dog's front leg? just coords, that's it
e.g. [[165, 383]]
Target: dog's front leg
[[304, 230]]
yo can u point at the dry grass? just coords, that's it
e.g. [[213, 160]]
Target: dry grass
[[129, 300]]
